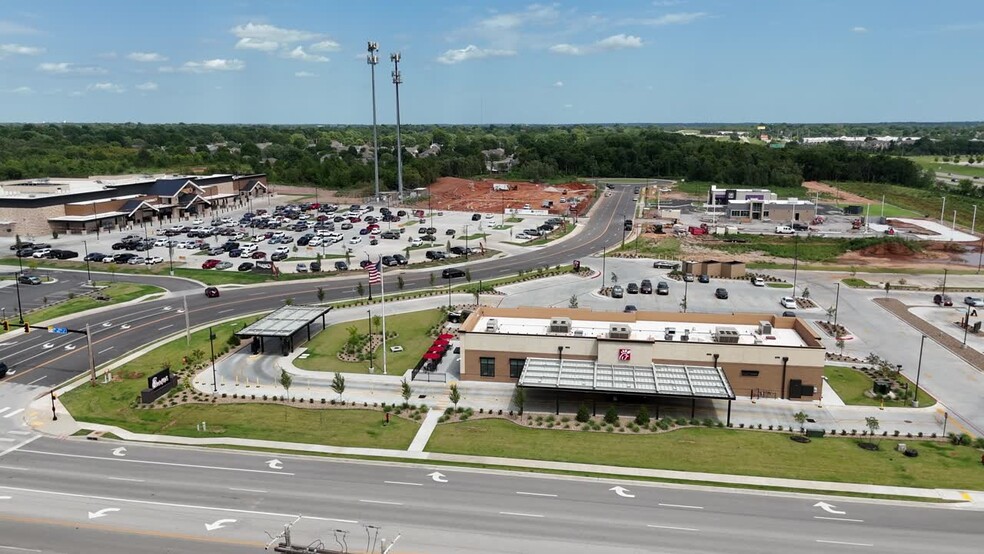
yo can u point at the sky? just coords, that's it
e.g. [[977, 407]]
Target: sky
[[624, 61]]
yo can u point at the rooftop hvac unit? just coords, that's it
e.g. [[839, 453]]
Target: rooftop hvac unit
[[579, 333], [560, 325], [492, 326], [726, 335], [619, 331], [685, 336], [765, 328]]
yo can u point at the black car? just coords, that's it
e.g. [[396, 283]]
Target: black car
[[25, 252], [449, 232], [801, 227], [401, 259], [646, 286], [663, 288], [120, 246], [721, 293], [235, 253], [315, 266], [663, 264], [788, 313], [93, 257], [245, 266], [303, 241], [457, 250], [451, 273], [476, 217], [20, 245], [632, 288], [278, 256], [29, 280], [704, 278], [428, 238], [389, 261], [123, 258], [63, 254], [390, 235], [630, 309], [211, 292], [341, 266], [434, 255]]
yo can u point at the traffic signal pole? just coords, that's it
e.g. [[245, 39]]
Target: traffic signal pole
[[92, 357]]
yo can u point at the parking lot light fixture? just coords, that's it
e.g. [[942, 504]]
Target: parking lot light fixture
[[88, 274]]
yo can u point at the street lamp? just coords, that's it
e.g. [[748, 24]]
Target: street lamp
[[397, 80], [466, 242], [370, 339], [942, 208], [170, 255], [88, 274], [837, 305], [796, 243], [211, 346], [20, 310], [685, 283], [372, 59], [560, 355], [943, 293], [714, 355], [449, 291], [782, 385], [915, 399]]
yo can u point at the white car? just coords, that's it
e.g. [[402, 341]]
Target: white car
[[375, 231], [282, 250], [137, 260], [788, 302], [415, 241], [522, 236], [198, 222], [355, 240], [150, 260], [315, 241], [758, 282], [489, 216], [161, 242], [784, 230], [42, 253]]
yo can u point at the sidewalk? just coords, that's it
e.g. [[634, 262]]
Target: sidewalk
[[39, 416]]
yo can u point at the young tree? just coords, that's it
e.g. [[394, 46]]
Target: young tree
[[614, 278], [377, 322], [830, 313], [806, 292], [468, 275], [519, 398], [432, 279], [800, 418], [405, 391], [873, 425], [642, 418], [321, 294], [583, 415], [400, 283], [572, 302], [360, 289], [338, 385], [840, 344], [611, 415], [286, 380], [289, 301], [454, 396]]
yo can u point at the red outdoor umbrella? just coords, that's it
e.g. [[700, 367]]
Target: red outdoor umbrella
[[446, 336], [432, 356], [435, 350], [441, 342]]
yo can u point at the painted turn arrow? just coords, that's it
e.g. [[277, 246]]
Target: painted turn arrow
[[438, 477], [829, 508], [219, 524], [622, 491], [119, 452], [102, 513], [275, 464]]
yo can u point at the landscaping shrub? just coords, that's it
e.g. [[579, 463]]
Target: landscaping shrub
[[611, 415], [642, 418], [583, 415]]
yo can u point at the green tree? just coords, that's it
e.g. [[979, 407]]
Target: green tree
[[468, 274], [454, 396], [360, 289], [321, 294], [377, 322], [400, 283], [611, 415], [289, 301], [840, 344], [286, 380], [872, 423], [405, 391], [583, 415], [642, 417], [519, 399], [432, 279], [614, 278], [338, 384], [572, 302], [800, 418]]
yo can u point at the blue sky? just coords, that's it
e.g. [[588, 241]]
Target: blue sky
[[303, 61]]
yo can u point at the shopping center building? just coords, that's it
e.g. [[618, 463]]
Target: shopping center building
[[657, 354]]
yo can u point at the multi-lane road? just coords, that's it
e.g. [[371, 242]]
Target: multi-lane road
[[46, 360], [81, 496]]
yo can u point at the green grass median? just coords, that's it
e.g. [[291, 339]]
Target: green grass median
[[116, 292], [726, 451], [851, 385], [114, 403]]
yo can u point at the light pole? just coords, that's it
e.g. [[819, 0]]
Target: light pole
[[603, 273], [397, 80], [621, 218], [980, 259], [796, 243], [372, 59], [211, 346], [370, 339], [685, 283], [466, 242], [449, 292], [170, 255], [715, 356], [973, 221], [836, 307], [560, 355], [943, 207], [88, 274], [915, 399], [943, 292], [95, 218], [20, 310], [953, 226]]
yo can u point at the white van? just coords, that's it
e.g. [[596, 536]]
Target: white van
[[784, 230]]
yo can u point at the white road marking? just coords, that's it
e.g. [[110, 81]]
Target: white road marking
[[15, 468], [403, 483], [845, 543], [224, 311], [536, 494], [42, 378], [173, 505], [6, 439], [247, 490], [125, 479], [672, 528], [682, 506], [105, 350], [125, 460], [17, 432], [382, 502], [839, 519], [18, 549], [519, 514], [13, 413], [2, 410], [165, 327]]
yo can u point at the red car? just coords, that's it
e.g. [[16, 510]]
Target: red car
[[211, 292], [372, 226], [210, 263], [355, 219], [258, 255]]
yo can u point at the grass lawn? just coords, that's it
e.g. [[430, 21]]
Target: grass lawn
[[855, 282], [851, 384], [808, 249], [667, 248], [925, 202], [779, 285], [110, 404], [514, 220], [411, 329], [117, 293], [721, 451], [928, 162]]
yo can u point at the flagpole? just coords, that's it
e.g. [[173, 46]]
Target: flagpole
[[382, 307]]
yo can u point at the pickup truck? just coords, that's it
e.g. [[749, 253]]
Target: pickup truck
[[784, 230]]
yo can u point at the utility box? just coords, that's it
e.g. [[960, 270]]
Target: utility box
[[815, 432]]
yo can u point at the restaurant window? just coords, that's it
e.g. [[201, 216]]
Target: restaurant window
[[516, 367], [486, 367]]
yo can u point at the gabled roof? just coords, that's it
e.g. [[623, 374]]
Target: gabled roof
[[186, 200], [131, 206], [252, 185], [171, 187]]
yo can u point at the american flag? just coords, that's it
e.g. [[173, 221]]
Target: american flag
[[374, 273]]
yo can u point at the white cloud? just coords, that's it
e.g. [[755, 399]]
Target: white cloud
[[859, 29], [299, 54], [614, 42], [558, 84], [146, 57], [20, 90], [247, 43], [682, 18], [270, 33], [66, 68], [11, 28], [209, 66], [471, 52], [105, 87], [568, 106], [326, 46], [534, 14], [666, 3], [148, 86], [20, 50], [304, 74]]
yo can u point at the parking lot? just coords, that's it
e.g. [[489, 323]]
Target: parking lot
[[294, 234]]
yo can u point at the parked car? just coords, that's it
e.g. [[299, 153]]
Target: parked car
[[788, 313], [787, 302], [93, 257], [688, 277], [210, 263], [301, 268], [434, 255], [942, 300], [341, 266], [223, 265], [355, 240], [758, 282], [151, 260], [401, 259], [630, 309], [278, 256], [646, 287], [315, 267], [476, 217], [721, 293], [388, 261], [245, 266], [211, 292], [704, 278], [663, 264], [632, 288], [29, 280], [449, 232], [974, 301], [662, 288], [258, 255], [617, 291]]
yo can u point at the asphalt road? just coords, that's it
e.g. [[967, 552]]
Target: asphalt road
[[136, 498], [44, 360]]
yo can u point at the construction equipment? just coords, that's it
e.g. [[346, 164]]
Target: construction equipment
[[857, 224]]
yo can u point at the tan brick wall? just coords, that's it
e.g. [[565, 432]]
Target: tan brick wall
[[30, 221]]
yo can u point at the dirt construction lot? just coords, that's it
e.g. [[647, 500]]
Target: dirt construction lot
[[464, 195]]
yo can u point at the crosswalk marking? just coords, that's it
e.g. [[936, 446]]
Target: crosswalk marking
[[2, 410], [13, 413]]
